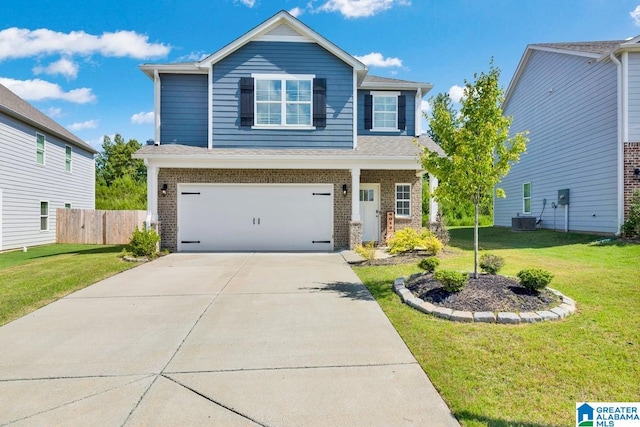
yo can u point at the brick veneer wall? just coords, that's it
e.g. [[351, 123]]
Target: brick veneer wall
[[168, 205], [388, 180], [631, 182]]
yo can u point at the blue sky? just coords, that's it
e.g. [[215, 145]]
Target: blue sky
[[78, 60]]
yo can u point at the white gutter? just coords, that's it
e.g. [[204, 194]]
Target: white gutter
[[622, 125], [156, 106]]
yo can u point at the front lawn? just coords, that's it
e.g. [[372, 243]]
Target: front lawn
[[530, 375], [32, 279]]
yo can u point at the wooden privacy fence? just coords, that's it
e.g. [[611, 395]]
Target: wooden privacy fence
[[97, 227]]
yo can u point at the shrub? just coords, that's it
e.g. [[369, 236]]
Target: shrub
[[534, 278], [490, 263], [144, 243], [631, 227], [408, 239], [429, 264], [452, 281], [367, 251]]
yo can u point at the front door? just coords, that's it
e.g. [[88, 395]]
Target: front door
[[370, 212]]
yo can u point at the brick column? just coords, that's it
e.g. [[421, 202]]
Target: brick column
[[355, 234]]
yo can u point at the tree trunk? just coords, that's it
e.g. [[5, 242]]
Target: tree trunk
[[475, 241]]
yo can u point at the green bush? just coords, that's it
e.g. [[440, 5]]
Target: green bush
[[429, 264], [144, 243], [631, 227], [490, 263], [534, 278], [367, 251], [408, 239], [452, 281]]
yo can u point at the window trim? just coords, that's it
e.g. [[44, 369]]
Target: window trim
[[67, 160], [386, 94], [44, 149], [283, 101], [41, 216], [404, 200], [525, 198]]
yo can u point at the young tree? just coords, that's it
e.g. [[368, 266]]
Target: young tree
[[121, 182], [479, 151]]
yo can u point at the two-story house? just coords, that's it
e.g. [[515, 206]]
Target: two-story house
[[43, 167], [581, 104], [280, 140]]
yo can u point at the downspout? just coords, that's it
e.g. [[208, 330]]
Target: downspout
[[620, 148]]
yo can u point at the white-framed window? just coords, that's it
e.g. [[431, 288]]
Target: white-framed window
[[385, 110], [67, 158], [403, 200], [67, 205], [526, 197], [40, 145], [283, 100], [44, 216]]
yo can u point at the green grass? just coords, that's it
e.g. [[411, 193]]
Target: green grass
[[530, 375], [32, 279]]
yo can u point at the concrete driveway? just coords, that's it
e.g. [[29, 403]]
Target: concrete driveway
[[216, 339]]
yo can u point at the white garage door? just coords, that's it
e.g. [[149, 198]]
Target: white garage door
[[248, 217]]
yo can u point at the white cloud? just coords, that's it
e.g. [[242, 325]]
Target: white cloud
[[425, 107], [89, 124], [142, 117], [456, 93], [376, 59], [192, 56], [360, 8], [296, 11], [40, 90], [54, 112], [63, 67], [635, 14], [248, 3], [24, 43]]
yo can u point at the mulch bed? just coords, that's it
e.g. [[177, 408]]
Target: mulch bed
[[486, 293]]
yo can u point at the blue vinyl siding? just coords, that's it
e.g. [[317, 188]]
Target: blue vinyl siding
[[410, 116], [282, 58], [183, 109], [568, 103], [24, 183]]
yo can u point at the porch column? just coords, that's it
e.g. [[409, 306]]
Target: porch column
[[152, 193], [355, 225], [433, 205]]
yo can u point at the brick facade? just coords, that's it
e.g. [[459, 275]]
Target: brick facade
[[631, 181], [167, 205]]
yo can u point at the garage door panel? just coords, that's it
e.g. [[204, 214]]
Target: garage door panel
[[255, 217]]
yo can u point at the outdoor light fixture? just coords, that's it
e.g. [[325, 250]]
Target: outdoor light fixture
[[164, 190], [344, 189]]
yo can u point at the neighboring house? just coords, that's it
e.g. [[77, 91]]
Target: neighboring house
[[281, 141], [43, 166], [581, 104]]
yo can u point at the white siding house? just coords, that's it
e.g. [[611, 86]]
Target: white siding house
[[43, 167], [581, 104]]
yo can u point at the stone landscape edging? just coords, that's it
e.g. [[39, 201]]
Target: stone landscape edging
[[566, 308]]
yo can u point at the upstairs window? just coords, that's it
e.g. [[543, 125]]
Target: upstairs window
[[385, 111], [279, 101], [40, 141], [403, 200], [526, 198], [67, 158]]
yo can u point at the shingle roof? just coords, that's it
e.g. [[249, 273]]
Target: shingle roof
[[13, 105], [368, 146], [597, 47], [378, 79]]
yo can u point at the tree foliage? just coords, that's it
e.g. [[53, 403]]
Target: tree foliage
[[121, 181], [478, 149]]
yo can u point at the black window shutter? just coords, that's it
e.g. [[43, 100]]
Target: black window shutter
[[402, 112], [320, 102], [246, 101], [368, 111]]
